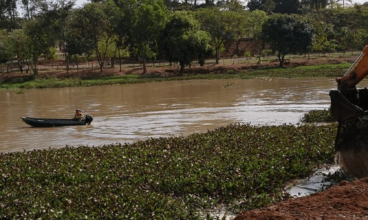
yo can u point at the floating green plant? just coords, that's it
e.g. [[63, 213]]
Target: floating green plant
[[240, 165], [318, 116]]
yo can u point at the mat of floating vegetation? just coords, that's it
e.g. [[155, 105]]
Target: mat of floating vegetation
[[318, 116], [242, 166]]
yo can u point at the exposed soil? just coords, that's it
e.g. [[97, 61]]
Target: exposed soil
[[348, 200]]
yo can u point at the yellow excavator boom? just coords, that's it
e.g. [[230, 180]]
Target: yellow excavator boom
[[356, 73]]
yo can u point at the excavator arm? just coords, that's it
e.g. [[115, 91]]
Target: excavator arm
[[356, 73], [349, 107]]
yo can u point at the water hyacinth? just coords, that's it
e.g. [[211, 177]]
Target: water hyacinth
[[318, 116], [240, 165]]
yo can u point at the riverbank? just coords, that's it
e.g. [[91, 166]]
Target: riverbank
[[347, 200], [327, 67]]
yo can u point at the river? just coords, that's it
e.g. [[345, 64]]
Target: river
[[127, 113]]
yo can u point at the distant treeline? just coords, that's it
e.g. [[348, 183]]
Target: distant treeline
[[180, 32]]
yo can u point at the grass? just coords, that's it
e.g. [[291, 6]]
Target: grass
[[240, 165]]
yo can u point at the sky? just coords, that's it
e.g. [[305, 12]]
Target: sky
[[79, 3]]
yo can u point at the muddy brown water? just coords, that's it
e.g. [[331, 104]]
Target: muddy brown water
[[127, 113]]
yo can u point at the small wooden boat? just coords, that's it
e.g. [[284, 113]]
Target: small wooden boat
[[50, 122]]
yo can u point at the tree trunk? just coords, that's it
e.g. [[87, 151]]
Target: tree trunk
[[112, 62], [144, 66], [120, 60], [217, 55], [281, 59], [237, 47], [182, 65], [259, 53], [20, 65], [66, 62], [101, 65]]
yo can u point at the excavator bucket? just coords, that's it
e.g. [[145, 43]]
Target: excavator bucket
[[342, 110], [351, 142]]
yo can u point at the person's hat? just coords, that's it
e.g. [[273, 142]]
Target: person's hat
[[79, 110]]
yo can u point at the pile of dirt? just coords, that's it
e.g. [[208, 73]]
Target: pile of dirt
[[347, 200]]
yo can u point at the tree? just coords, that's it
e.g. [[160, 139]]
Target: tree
[[359, 38], [143, 19], [276, 6], [40, 39], [238, 21], [254, 23], [287, 6], [6, 48], [269, 6], [8, 14], [316, 5], [78, 39], [93, 25], [287, 34], [182, 41], [219, 24], [323, 34], [20, 44], [230, 5], [33, 7], [256, 5], [344, 39], [57, 15]]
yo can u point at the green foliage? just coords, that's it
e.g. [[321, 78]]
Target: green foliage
[[98, 22], [78, 59], [266, 52], [275, 6], [51, 54], [165, 178], [220, 25], [318, 116], [329, 46], [254, 23], [20, 42], [287, 34], [182, 41], [6, 47], [39, 38], [144, 20]]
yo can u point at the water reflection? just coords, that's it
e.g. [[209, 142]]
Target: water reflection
[[126, 113]]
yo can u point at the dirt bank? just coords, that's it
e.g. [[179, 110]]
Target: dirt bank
[[212, 68], [348, 200]]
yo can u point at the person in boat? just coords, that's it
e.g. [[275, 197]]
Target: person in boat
[[78, 115]]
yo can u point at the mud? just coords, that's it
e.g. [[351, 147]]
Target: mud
[[348, 200]]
